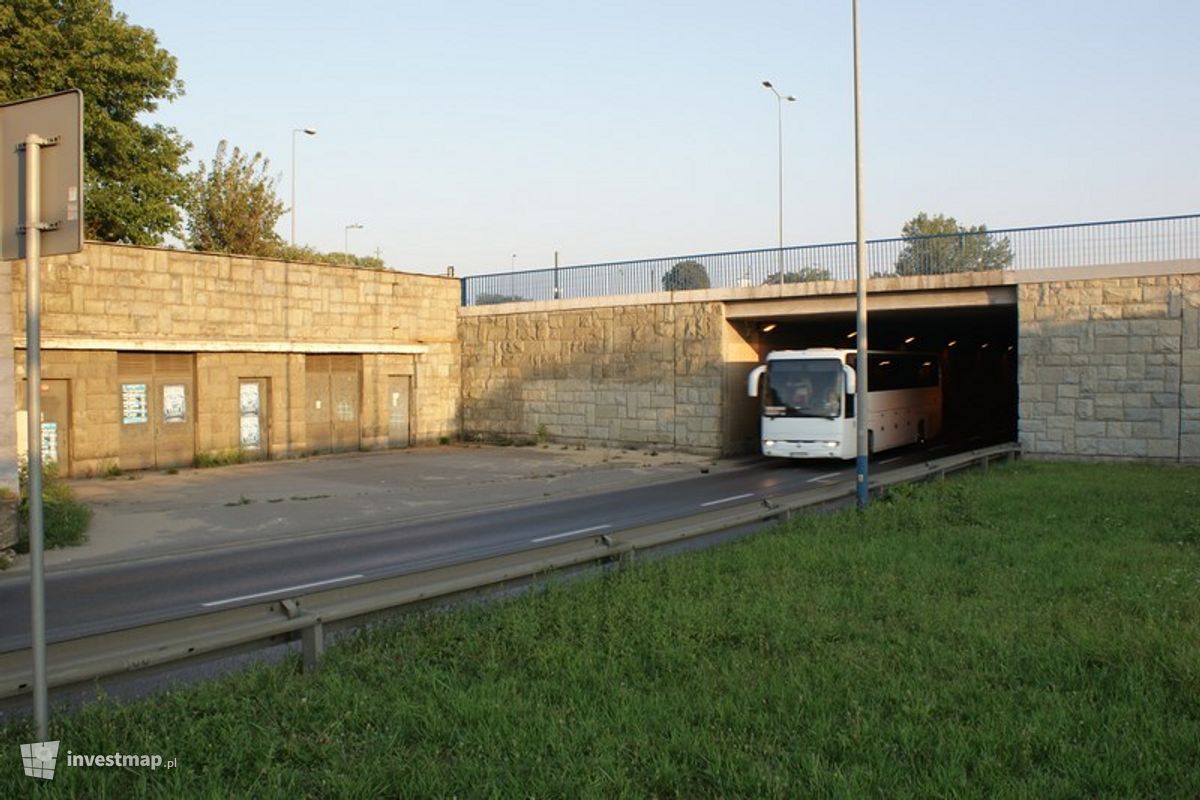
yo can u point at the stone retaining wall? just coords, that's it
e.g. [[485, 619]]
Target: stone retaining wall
[[634, 375], [1111, 368]]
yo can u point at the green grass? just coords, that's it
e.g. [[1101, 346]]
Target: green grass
[[222, 458], [1034, 632]]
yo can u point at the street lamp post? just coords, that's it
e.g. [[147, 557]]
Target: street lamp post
[[862, 399], [307, 132], [346, 241], [780, 98]]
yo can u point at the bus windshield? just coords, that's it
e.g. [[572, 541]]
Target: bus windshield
[[803, 388]]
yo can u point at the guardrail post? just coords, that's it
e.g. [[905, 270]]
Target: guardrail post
[[984, 463], [312, 644]]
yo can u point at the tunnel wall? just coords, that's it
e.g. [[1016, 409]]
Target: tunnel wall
[[641, 374], [1110, 369]]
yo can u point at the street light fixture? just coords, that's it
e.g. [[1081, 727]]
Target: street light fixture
[[346, 241], [307, 132], [780, 98]]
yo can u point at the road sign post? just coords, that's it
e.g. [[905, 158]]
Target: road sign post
[[41, 210]]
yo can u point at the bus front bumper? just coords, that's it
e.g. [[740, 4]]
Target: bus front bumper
[[802, 449]]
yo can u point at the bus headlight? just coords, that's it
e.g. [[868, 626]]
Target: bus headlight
[[831, 444], [769, 443]]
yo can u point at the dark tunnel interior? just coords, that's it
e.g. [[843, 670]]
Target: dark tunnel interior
[[976, 346]]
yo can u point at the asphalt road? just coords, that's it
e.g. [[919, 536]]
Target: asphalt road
[[89, 600]]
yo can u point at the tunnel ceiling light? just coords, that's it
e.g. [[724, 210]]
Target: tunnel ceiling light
[[770, 326], [910, 340], [1010, 347], [951, 343], [851, 334], [983, 346]]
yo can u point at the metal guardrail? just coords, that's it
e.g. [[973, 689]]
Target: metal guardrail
[[212, 634], [1076, 245]]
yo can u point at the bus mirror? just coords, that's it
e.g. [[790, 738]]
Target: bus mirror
[[851, 381], [754, 379]]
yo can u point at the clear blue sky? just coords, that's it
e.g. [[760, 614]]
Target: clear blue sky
[[462, 133]]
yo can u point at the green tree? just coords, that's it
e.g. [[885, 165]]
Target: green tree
[[492, 298], [132, 181], [311, 256], [938, 244], [232, 206], [686, 275], [804, 275]]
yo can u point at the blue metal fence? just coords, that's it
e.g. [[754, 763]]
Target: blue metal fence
[[1085, 244]]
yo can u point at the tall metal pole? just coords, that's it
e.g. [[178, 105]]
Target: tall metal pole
[[862, 402], [33, 402], [307, 132], [293, 240], [780, 104], [780, 98], [346, 241]]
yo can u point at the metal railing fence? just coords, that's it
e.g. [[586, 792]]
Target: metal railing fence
[[1076, 245]]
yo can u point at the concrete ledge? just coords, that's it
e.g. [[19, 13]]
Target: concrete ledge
[[1182, 266], [221, 346]]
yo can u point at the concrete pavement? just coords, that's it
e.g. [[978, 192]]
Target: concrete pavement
[[155, 514]]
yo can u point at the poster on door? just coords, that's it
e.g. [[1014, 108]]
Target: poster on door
[[174, 403], [249, 399], [135, 408], [251, 431], [49, 442]]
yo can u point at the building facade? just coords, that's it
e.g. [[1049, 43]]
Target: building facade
[[155, 358]]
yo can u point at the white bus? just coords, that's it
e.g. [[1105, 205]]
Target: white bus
[[808, 401]]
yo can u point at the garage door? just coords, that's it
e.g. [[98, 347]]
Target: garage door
[[158, 420], [333, 395]]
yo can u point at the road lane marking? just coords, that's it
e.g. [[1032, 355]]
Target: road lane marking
[[727, 499], [570, 533], [890, 460], [297, 587], [824, 477]]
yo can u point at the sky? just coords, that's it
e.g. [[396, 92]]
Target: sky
[[467, 133]]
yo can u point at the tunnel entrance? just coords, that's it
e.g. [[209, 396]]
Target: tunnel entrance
[[976, 347]]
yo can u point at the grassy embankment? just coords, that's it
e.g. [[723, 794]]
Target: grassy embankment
[[1034, 632]]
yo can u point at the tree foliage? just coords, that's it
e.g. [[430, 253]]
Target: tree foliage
[[232, 205], [493, 298], [309, 255], [938, 244], [686, 275], [803, 275], [132, 181]]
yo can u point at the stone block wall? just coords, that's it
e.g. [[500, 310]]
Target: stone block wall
[[242, 317], [94, 402], [1111, 368], [118, 291], [625, 375]]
